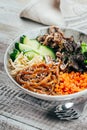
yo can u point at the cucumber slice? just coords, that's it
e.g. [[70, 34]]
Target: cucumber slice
[[46, 51], [31, 42], [22, 47], [22, 39], [31, 54], [43, 50]]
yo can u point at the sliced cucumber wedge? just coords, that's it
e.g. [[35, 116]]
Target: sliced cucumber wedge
[[34, 44], [22, 47], [45, 51], [31, 54]]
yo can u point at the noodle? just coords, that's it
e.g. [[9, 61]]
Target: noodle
[[20, 63], [40, 78]]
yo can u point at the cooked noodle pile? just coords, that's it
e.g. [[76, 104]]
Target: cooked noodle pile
[[40, 78], [21, 62]]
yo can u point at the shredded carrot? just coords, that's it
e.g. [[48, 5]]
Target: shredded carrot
[[71, 83]]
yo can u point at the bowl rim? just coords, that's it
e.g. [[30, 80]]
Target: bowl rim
[[37, 95]]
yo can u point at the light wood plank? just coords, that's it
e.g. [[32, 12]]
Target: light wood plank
[[18, 106], [19, 111], [10, 124]]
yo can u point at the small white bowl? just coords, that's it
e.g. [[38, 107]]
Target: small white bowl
[[78, 35]]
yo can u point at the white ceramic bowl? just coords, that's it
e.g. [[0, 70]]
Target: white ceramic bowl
[[78, 35]]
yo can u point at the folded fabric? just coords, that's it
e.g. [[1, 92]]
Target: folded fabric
[[43, 12], [70, 13]]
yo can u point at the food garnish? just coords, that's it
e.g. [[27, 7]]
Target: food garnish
[[50, 64]]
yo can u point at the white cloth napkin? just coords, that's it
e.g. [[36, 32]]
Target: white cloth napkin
[[70, 13]]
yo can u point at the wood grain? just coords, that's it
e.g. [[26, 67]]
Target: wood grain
[[19, 111]]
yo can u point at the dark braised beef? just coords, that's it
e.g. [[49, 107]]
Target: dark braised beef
[[72, 56], [68, 52], [54, 39]]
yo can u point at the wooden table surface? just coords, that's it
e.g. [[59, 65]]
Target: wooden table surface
[[19, 111]]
